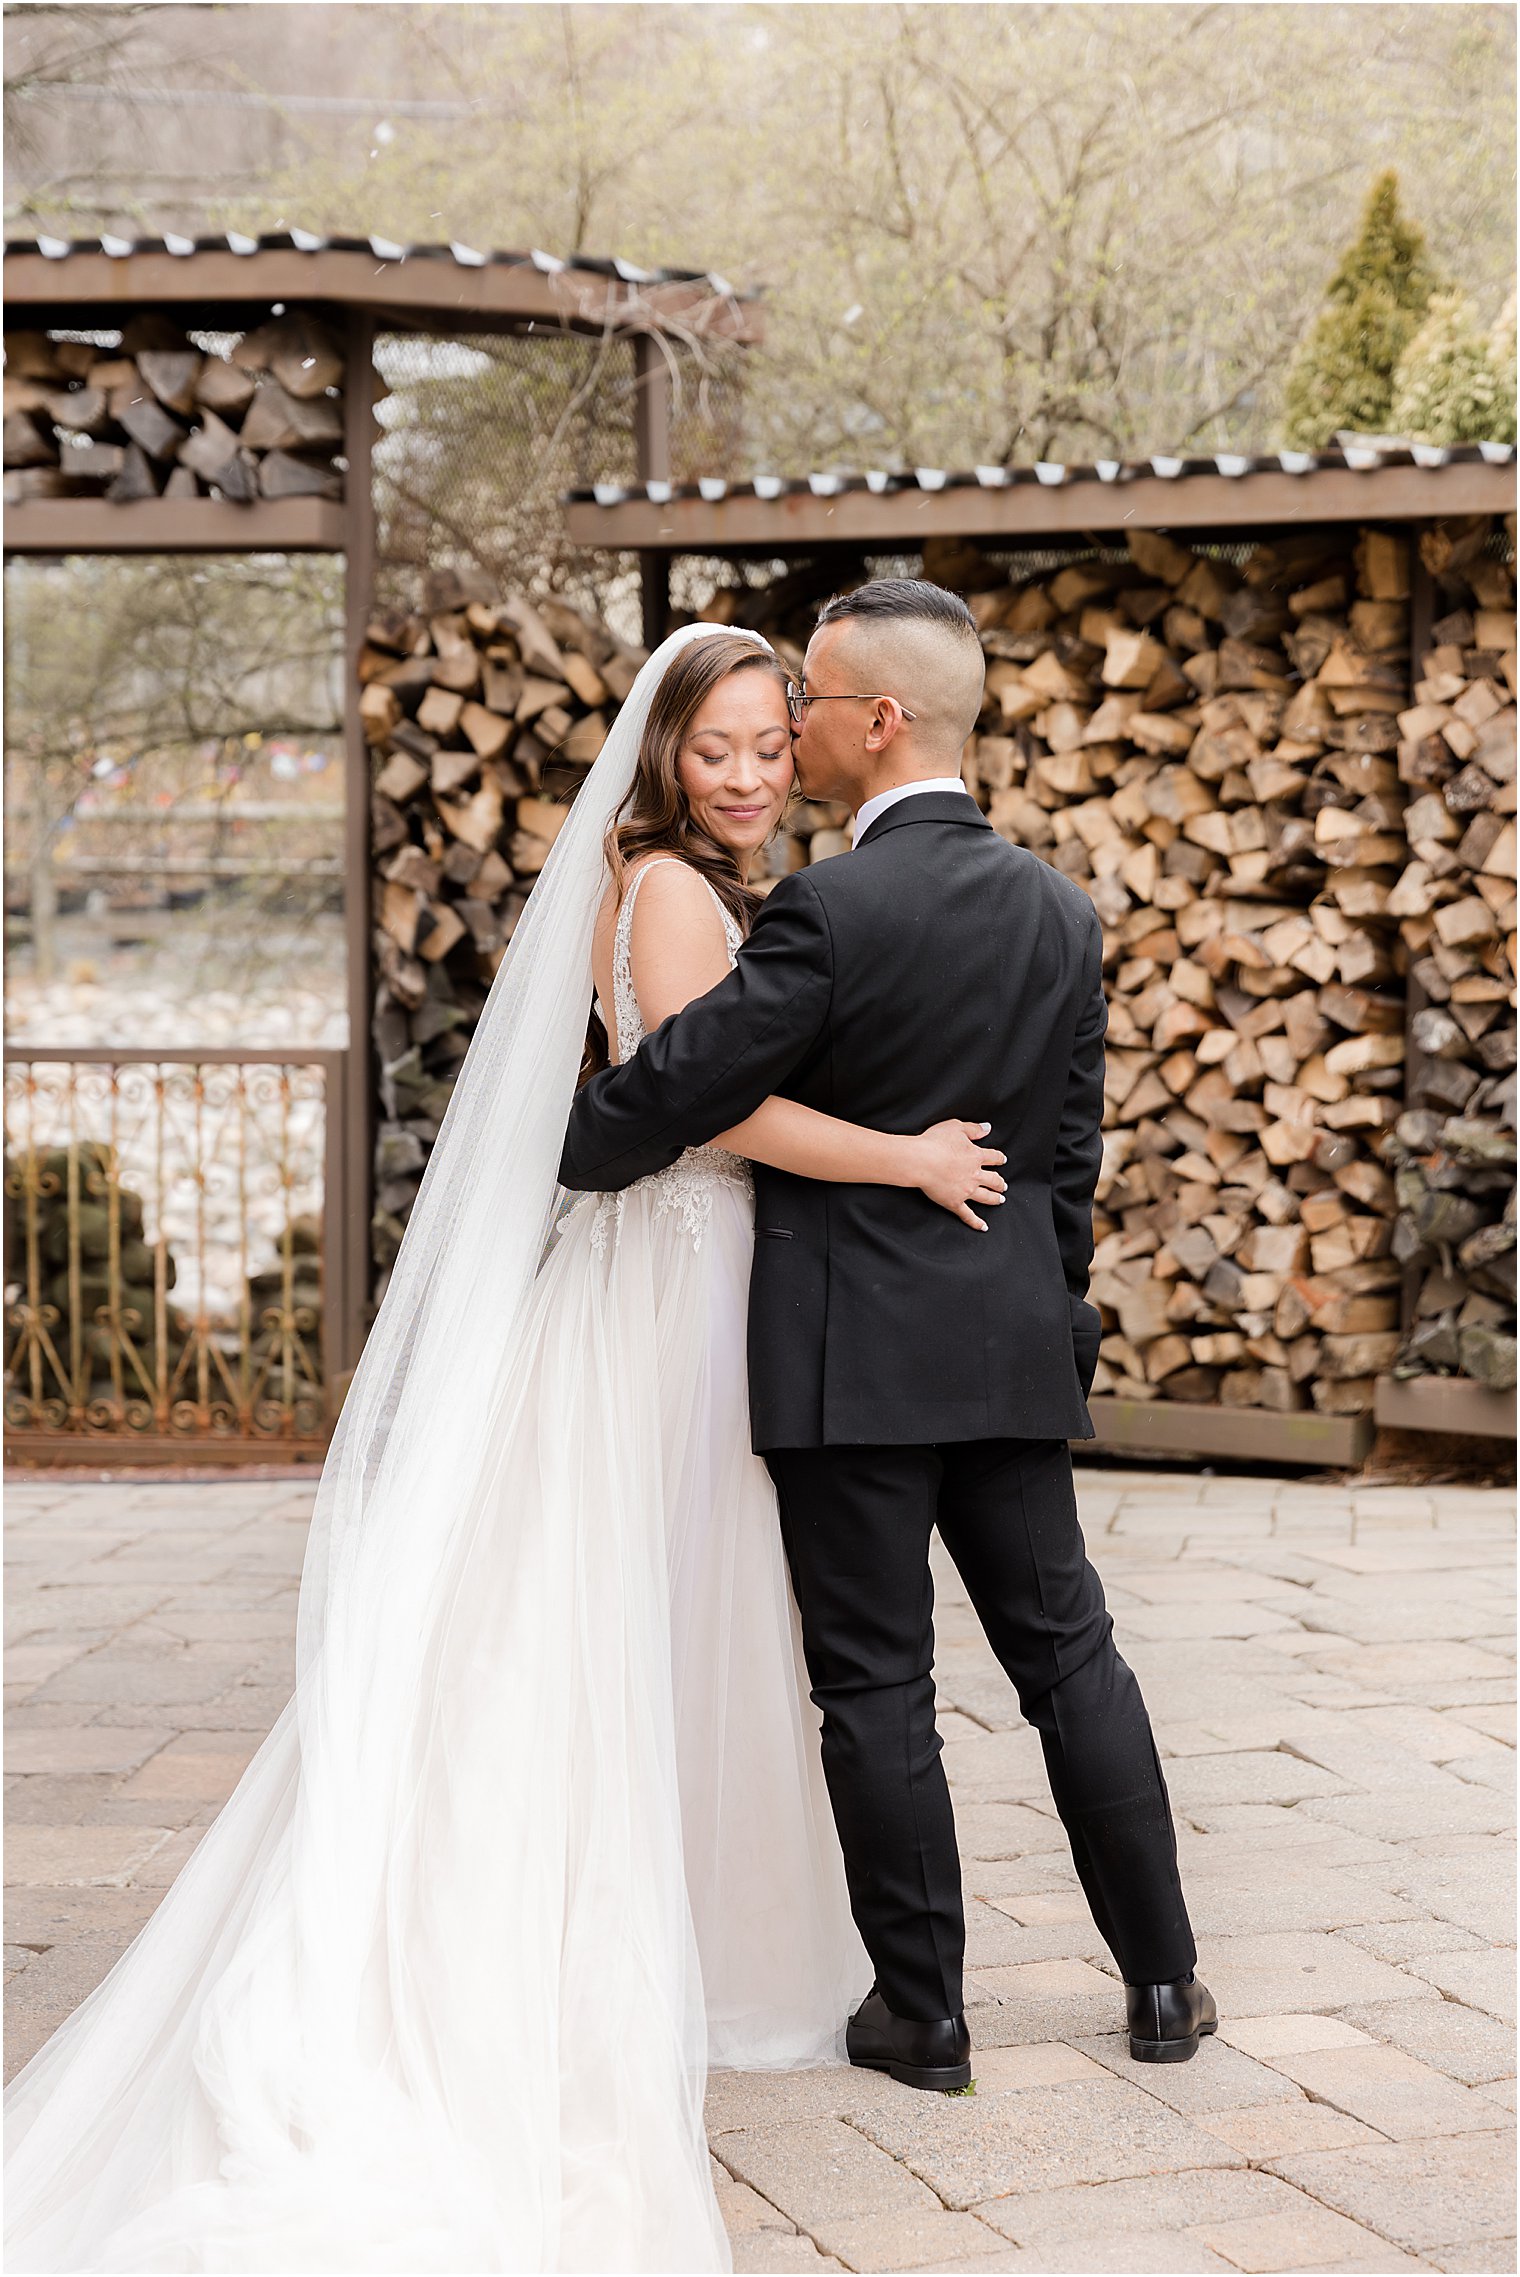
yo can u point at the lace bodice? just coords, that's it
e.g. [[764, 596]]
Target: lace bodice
[[686, 1188], [625, 1002]]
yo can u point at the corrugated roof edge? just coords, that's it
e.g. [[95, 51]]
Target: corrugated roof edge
[[1233, 464], [381, 248]]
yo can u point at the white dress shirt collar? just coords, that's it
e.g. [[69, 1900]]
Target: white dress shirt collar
[[884, 799]]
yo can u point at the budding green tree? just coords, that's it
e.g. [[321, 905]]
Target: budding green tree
[[1342, 375], [1448, 387]]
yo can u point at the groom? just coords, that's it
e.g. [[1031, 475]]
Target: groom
[[907, 1372]]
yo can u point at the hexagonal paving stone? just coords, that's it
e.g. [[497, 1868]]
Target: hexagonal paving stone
[[914, 2238], [1391, 2091], [1457, 2190], [53, 1856], [1081, 2131], [822, 2169], [1480, 1980], [1461, 2042], [1290, 1970], [1297, 2238]]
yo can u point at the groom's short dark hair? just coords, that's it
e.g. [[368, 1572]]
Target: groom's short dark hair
[[920, 644], [901, 597]]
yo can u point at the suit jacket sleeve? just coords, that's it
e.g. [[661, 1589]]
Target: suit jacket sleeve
[[709, 1066], [1079, 1155]]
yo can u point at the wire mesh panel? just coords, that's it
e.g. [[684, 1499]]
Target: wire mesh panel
[[484, 432], [708, 430], [481, 435]]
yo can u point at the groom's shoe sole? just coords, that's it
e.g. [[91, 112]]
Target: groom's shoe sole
[[947, 2079], [1170, 2051]]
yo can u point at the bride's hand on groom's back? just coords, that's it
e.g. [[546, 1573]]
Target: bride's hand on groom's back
[[953, 1164]]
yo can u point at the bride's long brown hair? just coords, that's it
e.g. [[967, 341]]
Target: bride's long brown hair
[[656, 815]]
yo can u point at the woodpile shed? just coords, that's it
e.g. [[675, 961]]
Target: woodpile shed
[[217, 394], [1262, 710], [1265, 715]]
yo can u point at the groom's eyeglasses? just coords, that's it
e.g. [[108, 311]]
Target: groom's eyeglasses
[[798, 699]]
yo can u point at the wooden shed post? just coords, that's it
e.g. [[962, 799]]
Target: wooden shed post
[[651, 447], [359, 576], [1422, 615]]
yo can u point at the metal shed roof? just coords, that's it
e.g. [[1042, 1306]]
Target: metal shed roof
[[1378, 481], [56, 278]]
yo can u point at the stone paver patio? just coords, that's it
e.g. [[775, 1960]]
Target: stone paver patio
[[1330, 1673]]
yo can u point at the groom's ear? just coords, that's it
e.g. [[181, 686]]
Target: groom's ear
[[885, 720]]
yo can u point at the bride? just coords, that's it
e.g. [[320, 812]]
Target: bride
[[543, 1830]]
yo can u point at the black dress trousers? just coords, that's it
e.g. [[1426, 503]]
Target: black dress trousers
[[856, 1523]]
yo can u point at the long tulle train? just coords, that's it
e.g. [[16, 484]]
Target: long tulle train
[[438, 1989]]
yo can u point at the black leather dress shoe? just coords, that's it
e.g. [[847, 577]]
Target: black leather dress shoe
[[1166, 2021], [936, 2055]]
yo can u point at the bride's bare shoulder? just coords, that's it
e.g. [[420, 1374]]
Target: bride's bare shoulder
[[673, 886], [673, 892], [655, 860]]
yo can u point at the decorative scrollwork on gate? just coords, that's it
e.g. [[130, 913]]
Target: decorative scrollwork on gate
[[164, 1246]]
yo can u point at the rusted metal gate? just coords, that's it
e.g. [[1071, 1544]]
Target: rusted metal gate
[[175, 1227]]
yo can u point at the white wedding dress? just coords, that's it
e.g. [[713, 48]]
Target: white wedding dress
[[543, 1832], [781, 1960]]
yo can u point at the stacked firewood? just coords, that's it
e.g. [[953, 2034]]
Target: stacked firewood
[[1215, 749], [1220, 752], [285, 1300], [1209, 750], [1455, 1181], [483, 717], [160, 417], [1454, 1153], [72, 1259]]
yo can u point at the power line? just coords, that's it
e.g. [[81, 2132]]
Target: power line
[[212, 98]]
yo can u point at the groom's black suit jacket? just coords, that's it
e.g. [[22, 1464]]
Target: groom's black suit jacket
[[934, 971]]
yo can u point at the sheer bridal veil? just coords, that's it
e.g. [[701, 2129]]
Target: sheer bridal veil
[[317, 2056], [409, 1439]]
